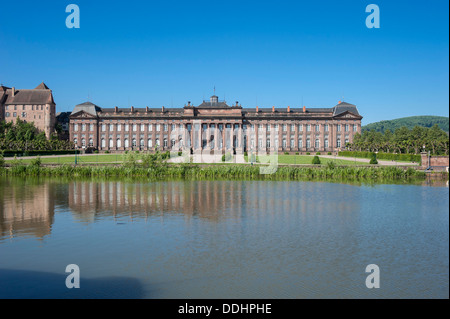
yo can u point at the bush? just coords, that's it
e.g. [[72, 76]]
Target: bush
[[180, 153], [316, 160], [245, 154], [318, 153], [2, 161], [329, 153], [106, 152], [373, 159], [296, 153], [383, 156], [36, 162], [96, 152], [308, 153], [286, 153]]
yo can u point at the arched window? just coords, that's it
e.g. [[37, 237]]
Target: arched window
[[103, 143], [142, 143], [111, 143], [150, 142], [118, 143], [317, 143], [127, 143]]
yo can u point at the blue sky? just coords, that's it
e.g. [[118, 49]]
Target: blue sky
[[265, 53]]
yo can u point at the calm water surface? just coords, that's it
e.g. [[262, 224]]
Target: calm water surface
[[222, 239]]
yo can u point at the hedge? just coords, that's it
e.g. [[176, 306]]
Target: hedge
[[37, 153], [383, 156]]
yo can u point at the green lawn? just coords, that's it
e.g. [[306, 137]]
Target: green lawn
[[307, 159]]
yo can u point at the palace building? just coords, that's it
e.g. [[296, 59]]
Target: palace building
[[214, 127], [36, 105]]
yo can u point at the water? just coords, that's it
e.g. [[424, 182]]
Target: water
[[222, 239]]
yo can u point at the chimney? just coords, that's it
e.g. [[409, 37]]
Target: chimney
[[289, 109], [189, 103], [13, 90], [273, 109], [147, 109], [132, 109], [339, 102], [304, 109], [257, 109], [237, 103], [163, 109], [116, 110]]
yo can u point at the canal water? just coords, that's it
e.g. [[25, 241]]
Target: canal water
[[222, 239]]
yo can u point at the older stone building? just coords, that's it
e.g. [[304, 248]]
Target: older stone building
[[36, 105], [215, 127]]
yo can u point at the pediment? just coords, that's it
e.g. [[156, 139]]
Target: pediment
[[348, 115], [83, 114]]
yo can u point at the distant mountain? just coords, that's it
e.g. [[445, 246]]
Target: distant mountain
[[409, 122]]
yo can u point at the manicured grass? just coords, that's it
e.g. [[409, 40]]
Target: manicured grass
[[305, 159]]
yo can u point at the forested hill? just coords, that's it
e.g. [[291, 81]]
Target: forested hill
[[409, 122]]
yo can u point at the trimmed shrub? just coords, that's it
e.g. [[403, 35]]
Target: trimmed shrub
[[308, 153], [318, 153], [383, 156], [316, 160], [329, 153], [373, 159], [286, 153]]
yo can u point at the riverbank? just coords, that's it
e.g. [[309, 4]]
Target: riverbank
[[192, 171]]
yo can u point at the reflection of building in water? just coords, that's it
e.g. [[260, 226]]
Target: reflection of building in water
[[212, 200], [204, 199], [26, 209]]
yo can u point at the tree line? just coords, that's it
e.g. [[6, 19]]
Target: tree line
[[403, 141], [24, 136]]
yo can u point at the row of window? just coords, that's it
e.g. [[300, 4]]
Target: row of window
[[165, 127], [24, 107], [118, 143]]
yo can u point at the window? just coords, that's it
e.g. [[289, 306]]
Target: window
[[317, 143], [24, 114], [127, 127], [339, 127], [111, 143], [326, 128], [150, 127], [326, 143], [252, 127], [75, 126], [284, 127], [134, 127], [292, 145], [292, 127], [173, 127], [300, 128], [157, 142], [277, 127], [150, 142], [268, 128], [268, 143], [83, 143], [166, 127], [83, 127], [284, 143], [300, 143], [252, 143], [347, 127], [127, 143], [133, 142], [119, 127], [142, 143], [75, 141], [260, 143], [142, 127], [308, 127], [103, 143], [317, 127], [355, 127], [308, 143], [172, 143], [111, 127], [260, 128], [158, 128], [7, 114], [165, 143], [338, 142], [119, 143]]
